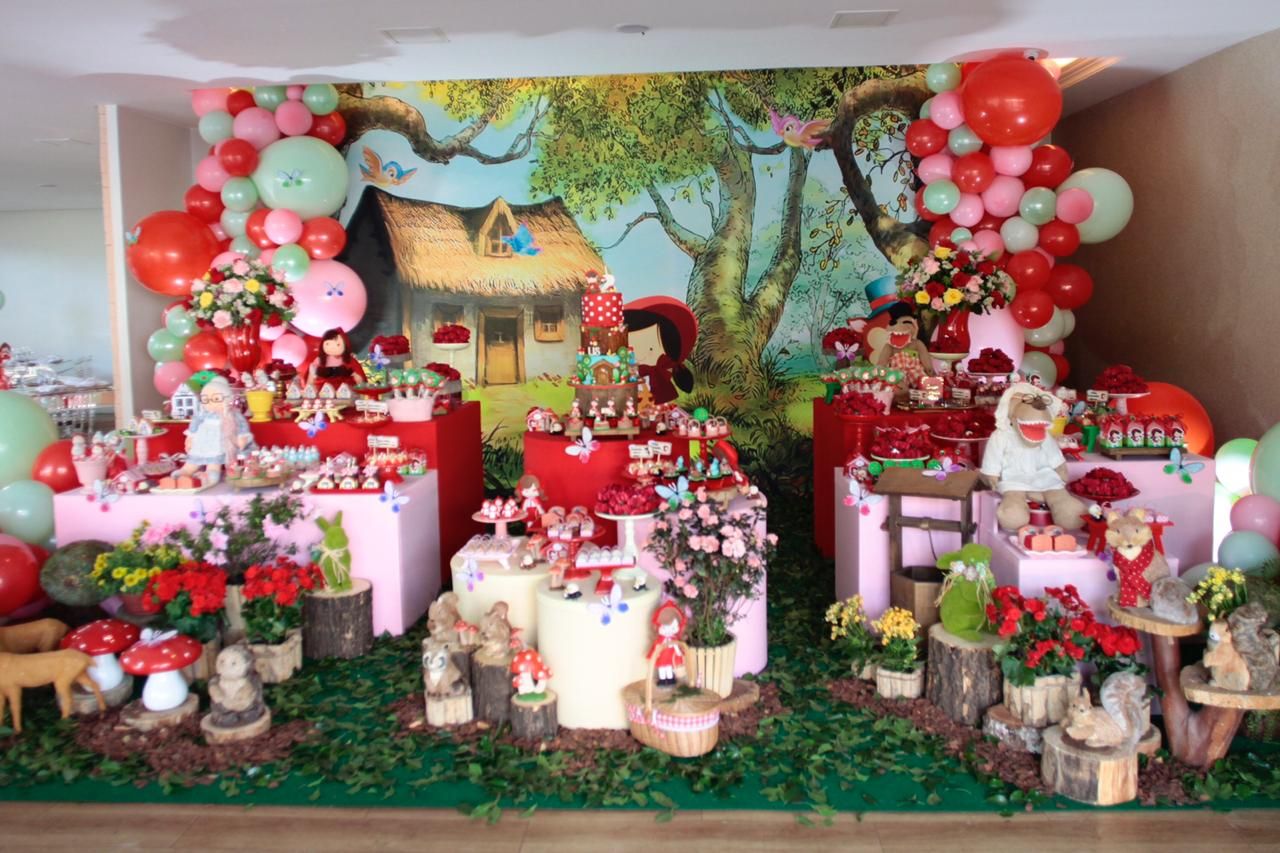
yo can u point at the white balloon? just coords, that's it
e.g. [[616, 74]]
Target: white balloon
[[1018, 234], [1068, 322], [1048, 334], [1036, 363]]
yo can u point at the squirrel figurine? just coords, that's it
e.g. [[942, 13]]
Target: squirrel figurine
[[1227, 667], [1142, 571], [439, 673], [495, 633], [1118, 723], [1256, 644], [442, 618]]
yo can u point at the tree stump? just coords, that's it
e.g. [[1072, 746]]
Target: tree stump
[[338, 625], [964, 679], [136, 716], [83, 702], [1100, 777], [491, 680], [216, 734], [449, 710], [535, 720], [1001, 723]]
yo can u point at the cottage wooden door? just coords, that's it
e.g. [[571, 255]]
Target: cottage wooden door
[[501, 339]]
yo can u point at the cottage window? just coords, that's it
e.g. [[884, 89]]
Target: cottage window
[[447, 314], [495, 247], [548, 323]]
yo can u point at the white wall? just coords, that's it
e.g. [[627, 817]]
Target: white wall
[[53, 273]]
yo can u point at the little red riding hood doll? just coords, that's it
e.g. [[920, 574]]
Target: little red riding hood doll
[[661, 331], [667, 652], [335, 363]]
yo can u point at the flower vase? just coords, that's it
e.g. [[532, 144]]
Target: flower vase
[[260, 403], [953, 333], [90, 470], [713, 666], [891, 684], [134, 608], [1045, 701], [243, 346], [277, 662]]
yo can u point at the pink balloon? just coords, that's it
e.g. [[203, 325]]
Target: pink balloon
[[1074, 205], [329, 296], [284, 226], [218, 231], [1058, 347], [997, 329], [225, 258], [290, 348], [1048, 257], [6, 539], [293, 118], [935, 167], [256, 126], [294, 92], [968, 211], [207, 100], [210, 175], [271, 333], [947, 110], [989, 241], [969, 246], [1002, 197], [1258, 513], [267, 255], [169, 376], [1011, 160]]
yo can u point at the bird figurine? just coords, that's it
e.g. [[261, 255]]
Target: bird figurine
[[522, 242], [389, 174], [797, 133]]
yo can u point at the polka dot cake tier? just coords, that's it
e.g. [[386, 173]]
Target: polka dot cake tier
[[605, 376]]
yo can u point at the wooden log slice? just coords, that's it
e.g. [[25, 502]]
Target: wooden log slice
[[1001, 724], [1196, 687], [535, 720], [338, 625], [1100, 777], [215, 734], [1142, 619], [492, 686], [963, 677], [743, 696], [84, 702], [136, 716]]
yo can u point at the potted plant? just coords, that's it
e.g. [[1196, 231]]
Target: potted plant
[[716, 559], [236, 300], [1115, 648], [127, 569], [272, 611], [1220, 592], [850, 632], [189, 599], [1042, 643], [898, 671]]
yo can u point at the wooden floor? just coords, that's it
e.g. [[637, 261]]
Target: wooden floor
[[81, 828]]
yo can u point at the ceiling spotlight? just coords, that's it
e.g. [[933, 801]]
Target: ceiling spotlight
[[415, 35], [48, 186], [632, 29], [861, 18]]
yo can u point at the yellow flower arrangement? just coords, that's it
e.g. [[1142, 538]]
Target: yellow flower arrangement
[[922, 298], [1221, 591], [253, 285], [899, 638], [848, 623], [952, 296], [941, 252]]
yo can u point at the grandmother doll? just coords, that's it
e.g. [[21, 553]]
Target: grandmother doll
[[217, 434]]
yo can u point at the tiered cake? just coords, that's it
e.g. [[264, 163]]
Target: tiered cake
[[605, 371]]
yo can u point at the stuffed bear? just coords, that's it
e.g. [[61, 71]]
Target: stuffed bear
[[1023, 462]]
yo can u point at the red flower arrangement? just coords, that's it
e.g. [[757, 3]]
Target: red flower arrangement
[[619, 499], [391, 344], [451, 333], [843, 343], [859, 404], [1103, 484], [1120, 379], [189, 599], [902, 443], [273, 598], [979, 424], [450, 373], [990, 360]]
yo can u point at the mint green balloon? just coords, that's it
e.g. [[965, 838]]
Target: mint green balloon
[[215, 126], [926, 108], [1038, 205], [302, 174], [959, 235], [942, 76], [245, 246], [320, 98], [292, 260], [234, 221], [1232, 463], [1112, 203], [240, 194], [941, 196], [180, 324], [1, 298], [961, 141], [1246, 550], [163, 345], [26, 511], [269, 97], [25, 430], [1019, 235], [1264, 475]]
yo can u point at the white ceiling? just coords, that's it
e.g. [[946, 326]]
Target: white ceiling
[[59, 58]]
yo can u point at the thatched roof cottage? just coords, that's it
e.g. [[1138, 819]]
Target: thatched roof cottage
[[427, 264]]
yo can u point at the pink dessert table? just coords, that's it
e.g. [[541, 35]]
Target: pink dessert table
[[398, 552]]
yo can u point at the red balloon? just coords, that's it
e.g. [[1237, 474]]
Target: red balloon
[[1009, 100], [255, 228], [202, 204], [171, 248], [1032, 309], [205, 351], [988, 222], [925, 138], [1029, 269], [966, 68], [19, 578], [323, 237], [925, 213], [941, 230], [239, 100], [1050, 166], [53, 467], [331, 127], [238, 157], [973, 173], [1059, 238], [1064, 366], [1070, 286]]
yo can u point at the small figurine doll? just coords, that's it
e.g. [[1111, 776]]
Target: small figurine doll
[[529, 488], [217, 434], [668, 651], [628, 414], [594, 411], [335, 364], [610, 409], [575, 414]]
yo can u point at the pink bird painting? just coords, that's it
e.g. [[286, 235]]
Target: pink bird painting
[[797, 133]]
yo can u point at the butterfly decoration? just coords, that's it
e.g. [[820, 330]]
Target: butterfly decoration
[[609, 605], [332, 289], [675, 495], [289, 179], [1078, 409], [389, 174], [378, 358], [584, 446], [946, 465], [103, 495], [469, 574], [131, 238], [391, 496], [846, 352], [1180, 467], [315, 425], [522, 242], [797, 133], [861, 497]]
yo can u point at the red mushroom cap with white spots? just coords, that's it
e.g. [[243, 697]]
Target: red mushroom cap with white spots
[[103, 637], [160, 652], [529, 661]]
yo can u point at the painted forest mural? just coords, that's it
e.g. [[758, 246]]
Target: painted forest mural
[[766, 200]]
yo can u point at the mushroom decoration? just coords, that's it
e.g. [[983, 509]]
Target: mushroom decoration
[[161, 655], [530, 674], [102, 640]]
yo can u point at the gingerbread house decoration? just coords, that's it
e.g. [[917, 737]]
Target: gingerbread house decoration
[[183, 403]]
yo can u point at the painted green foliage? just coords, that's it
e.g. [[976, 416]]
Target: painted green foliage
[[333, 554]]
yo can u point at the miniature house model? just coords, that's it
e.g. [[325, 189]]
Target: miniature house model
[[182, 405]]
